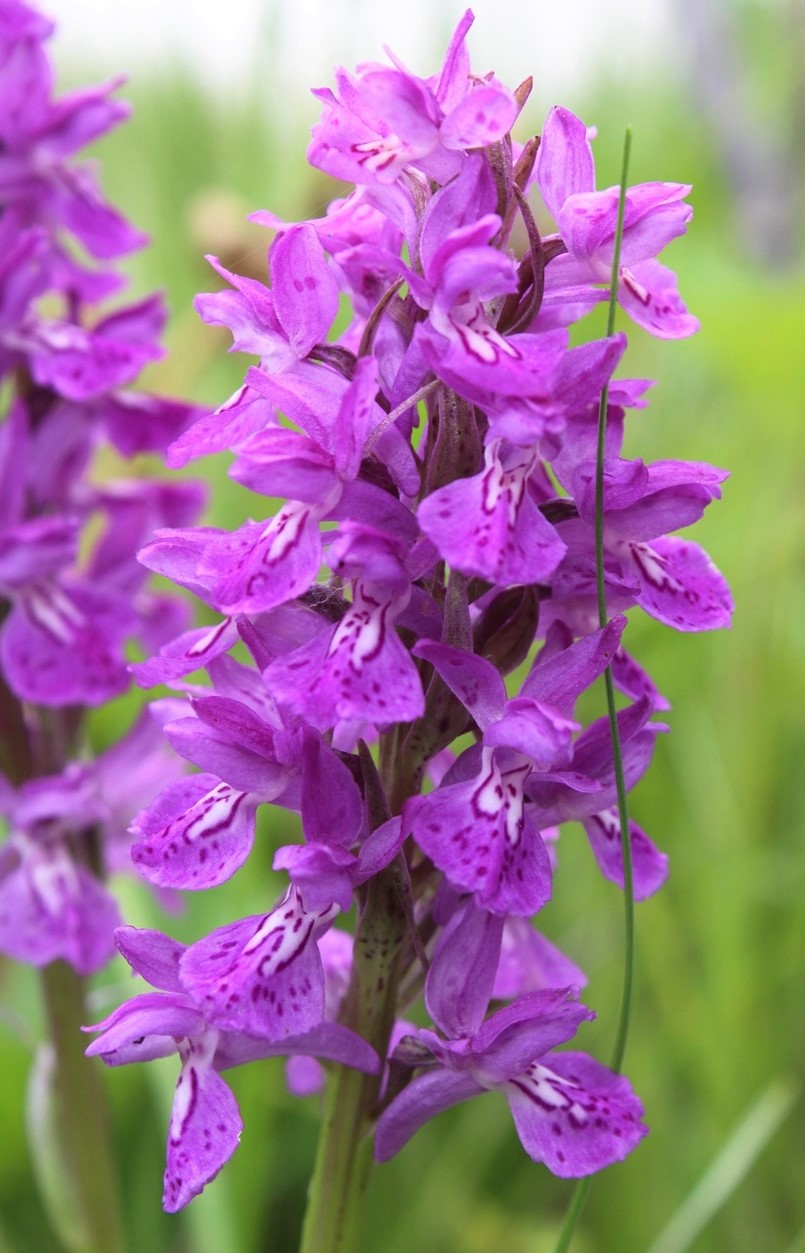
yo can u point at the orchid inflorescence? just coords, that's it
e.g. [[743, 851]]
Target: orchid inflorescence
[[420, 616], [73, 596]]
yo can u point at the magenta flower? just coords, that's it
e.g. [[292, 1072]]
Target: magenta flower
[[570, 1112], [51, 906], [357, 670], [490, 524], [418, 610], [587, 219], [38, 135], [284, 324], [200, 829], [205, 1123], [387, 119]]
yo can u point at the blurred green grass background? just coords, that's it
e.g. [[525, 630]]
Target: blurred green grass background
[[719, 1015]]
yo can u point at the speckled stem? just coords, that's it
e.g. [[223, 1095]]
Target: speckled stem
[[343, 1163]]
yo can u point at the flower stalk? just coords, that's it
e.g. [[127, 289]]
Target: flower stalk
[[344, 1157], [82, 1116]]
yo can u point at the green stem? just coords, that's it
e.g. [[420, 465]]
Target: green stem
[[617, 756], [583, 1186], [81, 1121], [628, 886], [573, 1214], [81, 1113], [341, 1173], [343, 1162]]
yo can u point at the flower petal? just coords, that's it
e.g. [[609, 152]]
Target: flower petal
[[680, 585], [305, 292], [460, 979], [649, 865], [575, 1115], [261, 975], [564, 163], [204, 1131], [146, 1027], [152, 955], [197, 833], [425, 1097], [649, 294]]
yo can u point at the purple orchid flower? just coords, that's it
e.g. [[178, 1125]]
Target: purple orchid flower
[[62, 642], [672, 578], [37, 136], [263, 565], [475, 826], [463, 277], [388, 119], [587, 220], [358, 669], [205, 1123], [570, 1112], [262, 975], [490, 525], [51, 905], [78, 363], [200, 828], [282, 325]]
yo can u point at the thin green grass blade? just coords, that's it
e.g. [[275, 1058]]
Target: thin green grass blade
[[797, 1245], [620, 782], [582, 1188], [729, 1169]]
